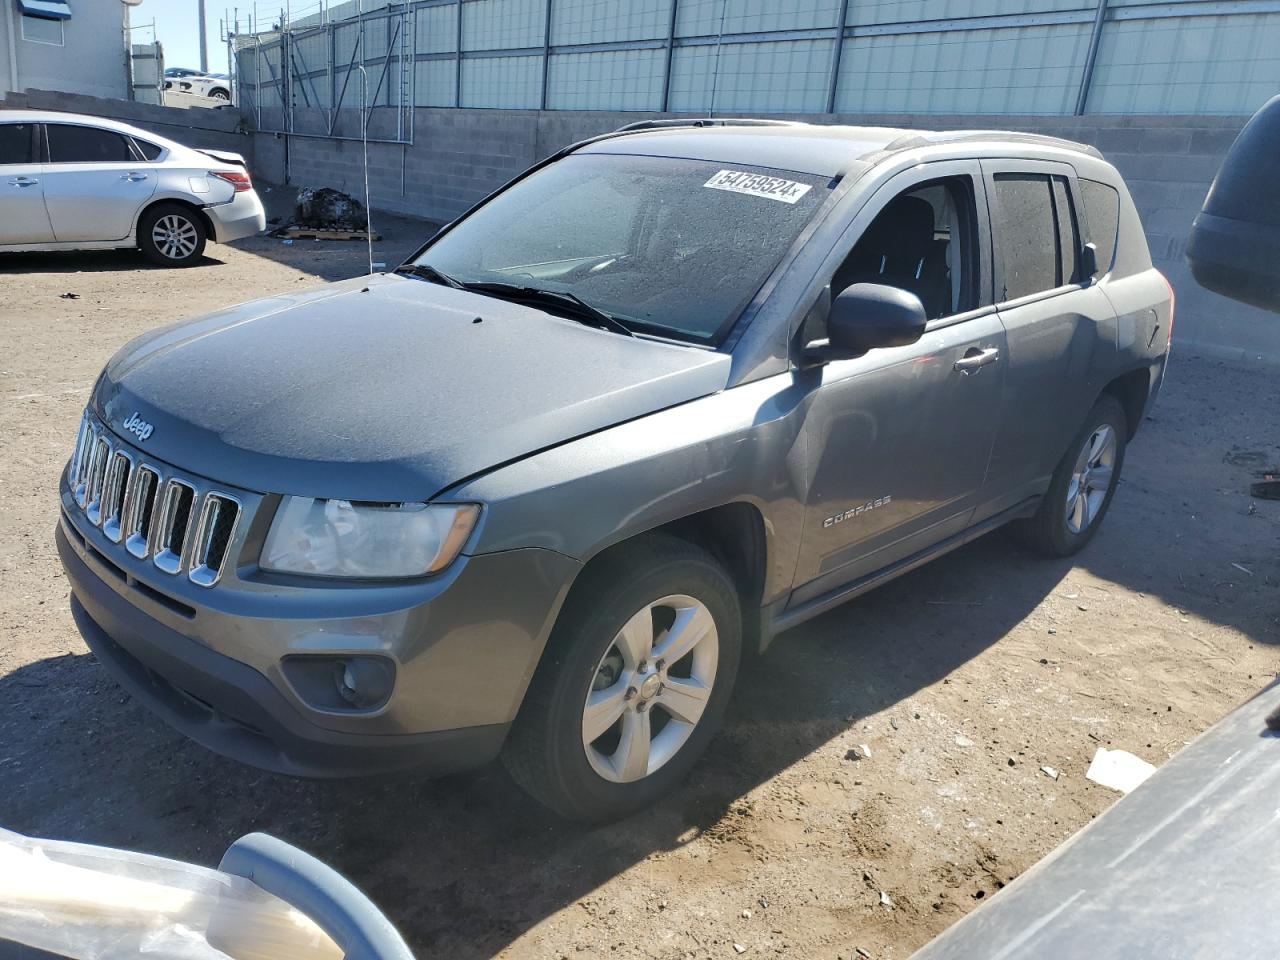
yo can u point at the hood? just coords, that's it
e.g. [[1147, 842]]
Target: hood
[[383, 388]]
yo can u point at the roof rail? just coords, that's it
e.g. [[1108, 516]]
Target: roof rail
[[706, 122]]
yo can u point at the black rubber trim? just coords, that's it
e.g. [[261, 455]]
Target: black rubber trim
[[232, 709]]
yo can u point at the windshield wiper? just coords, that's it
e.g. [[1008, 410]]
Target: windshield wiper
[[428, 272], [569, 303]]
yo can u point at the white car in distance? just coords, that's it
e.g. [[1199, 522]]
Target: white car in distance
[[72, 182], [216, 86]]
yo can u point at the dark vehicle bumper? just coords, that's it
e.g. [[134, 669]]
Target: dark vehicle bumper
[[232, 708]]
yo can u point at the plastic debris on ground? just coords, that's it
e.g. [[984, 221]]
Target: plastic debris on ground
[[95, 903], [1118, 769]]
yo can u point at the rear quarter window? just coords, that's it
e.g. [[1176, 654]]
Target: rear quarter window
[[150, 151], [1102, 213]]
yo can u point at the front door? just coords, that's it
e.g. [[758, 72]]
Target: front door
[[94, 185], [900, 438], [22, 214]]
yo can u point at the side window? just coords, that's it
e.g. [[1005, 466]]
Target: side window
[[1068, 234], [15, 143], [149, 151], [72, 144], [1037, 233], [924, 242], [1026, 234], [1102, 212]]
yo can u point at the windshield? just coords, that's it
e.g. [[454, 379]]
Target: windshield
[[673, 247]]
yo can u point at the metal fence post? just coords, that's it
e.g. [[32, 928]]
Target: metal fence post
[[1091, 57], [666, 71], [546, 54], [457, 63], [836, 54]]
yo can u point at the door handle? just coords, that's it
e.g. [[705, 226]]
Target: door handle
[[23, 182], [975, 359], [134, 177]]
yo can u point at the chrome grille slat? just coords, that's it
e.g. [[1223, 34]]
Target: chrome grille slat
[[97, 476], [139, 511], [212, 538], [175, 522], [174, 526], [114, 487]]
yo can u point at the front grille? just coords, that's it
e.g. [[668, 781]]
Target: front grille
[[155, 515]]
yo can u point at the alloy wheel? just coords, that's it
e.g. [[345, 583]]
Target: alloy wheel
[[175, 236], [1091, 478], [650, 689]]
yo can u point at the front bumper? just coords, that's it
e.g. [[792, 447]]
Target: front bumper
[[464, 653], [242, 217]]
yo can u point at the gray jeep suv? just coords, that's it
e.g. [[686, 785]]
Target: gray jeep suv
[[668, 393]]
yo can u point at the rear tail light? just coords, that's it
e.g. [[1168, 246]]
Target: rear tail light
[[237, 178]]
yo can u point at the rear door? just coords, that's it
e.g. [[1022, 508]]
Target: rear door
[[94, 183], [23, 218], [1056, 321]]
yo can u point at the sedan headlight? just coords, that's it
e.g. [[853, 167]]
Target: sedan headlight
[[338, 538]]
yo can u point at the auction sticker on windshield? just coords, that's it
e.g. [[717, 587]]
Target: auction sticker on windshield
[[758, 185]]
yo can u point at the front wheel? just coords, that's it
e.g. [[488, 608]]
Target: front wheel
[[634, 682], [1082, 485], [171, 235]]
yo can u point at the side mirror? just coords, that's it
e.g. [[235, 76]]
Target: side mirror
[[866, 316], [1089, 262]]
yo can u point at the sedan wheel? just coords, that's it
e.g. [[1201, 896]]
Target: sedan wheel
[[171, 234], [175, 236], [650, 689]]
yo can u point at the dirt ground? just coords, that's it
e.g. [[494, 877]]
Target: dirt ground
[[963, 679]]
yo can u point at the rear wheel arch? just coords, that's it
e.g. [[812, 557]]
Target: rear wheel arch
[[1132, 389], [205, 220]]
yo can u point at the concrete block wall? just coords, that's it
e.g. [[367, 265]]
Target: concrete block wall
[[460, 155], [214, 129]]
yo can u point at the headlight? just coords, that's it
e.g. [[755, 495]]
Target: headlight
[[337, 538]]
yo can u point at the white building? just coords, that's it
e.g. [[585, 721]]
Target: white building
[[75, 46]]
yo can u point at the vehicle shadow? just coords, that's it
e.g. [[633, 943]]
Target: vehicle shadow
[[465, 865], [89, 261]]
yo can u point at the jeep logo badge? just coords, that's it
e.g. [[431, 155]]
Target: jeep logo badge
[[137, 426]]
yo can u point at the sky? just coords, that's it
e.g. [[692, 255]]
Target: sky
[[176, 28]]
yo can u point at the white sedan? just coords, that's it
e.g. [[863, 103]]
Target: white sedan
[[216, 86], [71, 182]]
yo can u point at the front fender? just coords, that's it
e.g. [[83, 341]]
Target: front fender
[[740, 445]]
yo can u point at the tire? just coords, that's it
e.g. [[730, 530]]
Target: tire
[[219, 94], [1066, 522], [593, 651], [172, 235]]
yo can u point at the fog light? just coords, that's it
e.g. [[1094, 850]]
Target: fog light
[[364, 682]]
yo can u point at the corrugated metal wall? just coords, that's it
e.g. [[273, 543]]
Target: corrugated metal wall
[[1049, 57]]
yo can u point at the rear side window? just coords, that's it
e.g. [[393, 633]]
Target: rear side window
[[1068, 235], [70, 144], [1102, 211], [1036, 233], [148, 150], [15, 143]]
